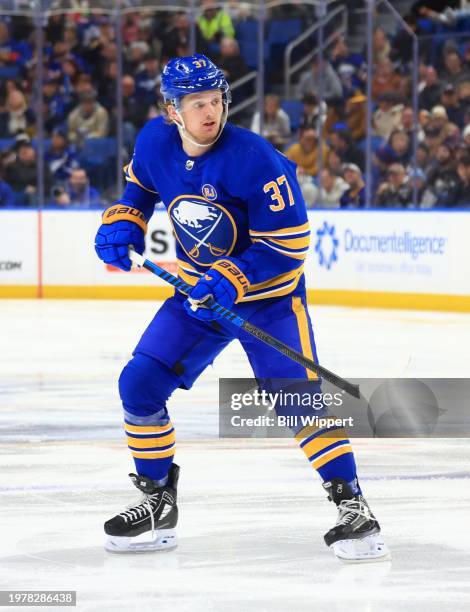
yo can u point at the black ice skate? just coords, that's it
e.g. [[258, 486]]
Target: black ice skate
[[356, 535], [149, 524]]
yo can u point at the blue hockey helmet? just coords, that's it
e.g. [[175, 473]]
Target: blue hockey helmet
[[187, 75]]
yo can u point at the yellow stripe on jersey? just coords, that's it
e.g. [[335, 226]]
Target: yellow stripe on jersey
[[302, 255], [276, 286], [276, 280], [187, 266], [131, 178], [302, 322], [285, 231], [293, 243], [187, 278]]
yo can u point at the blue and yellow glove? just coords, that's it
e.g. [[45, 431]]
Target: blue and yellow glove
[[121, 226], [224, 283]]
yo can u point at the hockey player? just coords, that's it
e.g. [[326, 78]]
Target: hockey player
[[242, 236]]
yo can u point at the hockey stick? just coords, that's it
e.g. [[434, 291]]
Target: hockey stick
[[248, 327]]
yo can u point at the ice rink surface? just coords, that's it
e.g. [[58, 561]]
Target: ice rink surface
[[253, 513]]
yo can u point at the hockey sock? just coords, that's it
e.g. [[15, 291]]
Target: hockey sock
[[330, 453], [145, 385], [153, 449]]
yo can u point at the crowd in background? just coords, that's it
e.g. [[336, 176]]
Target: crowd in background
[[327, 141]]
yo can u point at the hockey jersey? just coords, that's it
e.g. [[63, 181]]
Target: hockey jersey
[[239, 200]]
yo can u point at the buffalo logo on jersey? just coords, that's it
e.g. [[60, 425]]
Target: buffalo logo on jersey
[[205, 230]]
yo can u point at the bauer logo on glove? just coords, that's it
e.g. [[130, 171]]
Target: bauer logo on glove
[[121, 226], [225, 284]]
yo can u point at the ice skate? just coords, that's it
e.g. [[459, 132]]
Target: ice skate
[[150, 524], [356, 536]]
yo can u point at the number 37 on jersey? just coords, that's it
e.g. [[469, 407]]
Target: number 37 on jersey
[[274, 189]]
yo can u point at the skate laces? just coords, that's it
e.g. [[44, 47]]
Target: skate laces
[[350, 509], [140, 509]]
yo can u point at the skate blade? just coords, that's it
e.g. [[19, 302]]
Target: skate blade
[[164, 539], [371, 549]]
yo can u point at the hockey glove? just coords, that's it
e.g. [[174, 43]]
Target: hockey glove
[[122, 226], [224, 283]]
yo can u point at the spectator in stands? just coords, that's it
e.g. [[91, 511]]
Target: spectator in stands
[[88, 120], [464, 92], [55, 107], [466, 135], [135, 57], [321, 79], [332, 189], [17, 117], [60, 156], [13, 53], [346, 76], [454, 71], [407, 123], [130, 27], [175, 39], [397, 151], [355, 195], [385, 80], [356, 116], [22, 174], [55, 27], [148, 79], [402, 45], [426, 198], [305, 152], [381, 46], [423, 119], [312, 110], [146, 35], [342, 144], [71, 39], [334, 163], [82, 84], [276, 127], [396, 191], [230, 60], [388, 116], [439, 121], [7, 195], [340, 54], [214, 23], [107, 93], [462, 197], [430, 94], [77, 192], [443, 177], [423, 158], [134, 111], [450, 101]]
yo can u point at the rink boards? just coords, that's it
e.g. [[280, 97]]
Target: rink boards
[[393, 259]]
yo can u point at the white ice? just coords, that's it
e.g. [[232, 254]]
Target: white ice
[[253, 513]]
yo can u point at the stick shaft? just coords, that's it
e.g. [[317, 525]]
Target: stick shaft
[[283, 348]]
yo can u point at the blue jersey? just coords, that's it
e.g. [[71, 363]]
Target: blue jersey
[[239, 200]]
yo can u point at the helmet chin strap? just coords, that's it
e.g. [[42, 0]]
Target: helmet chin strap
[[184, 132]]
